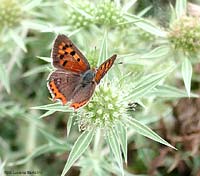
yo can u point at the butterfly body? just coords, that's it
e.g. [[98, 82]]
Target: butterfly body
[[73, 80], [88, 77]]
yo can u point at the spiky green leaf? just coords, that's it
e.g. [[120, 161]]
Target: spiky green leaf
[[51, 138], [112, 139], [54, 107], [78, 149], [46, 148], [121, 131], [158, 52], [181, 7], [146, 131], [69, 124], [47, 114], [4, 79], [147, 83], [147, 26], [103, 50], [170, 92], [18, 40], [47, 59], [187, 74], [39, 69]]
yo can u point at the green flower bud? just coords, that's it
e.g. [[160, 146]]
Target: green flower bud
[[10, 13], [77, 19], [185, 34], [108, 14]]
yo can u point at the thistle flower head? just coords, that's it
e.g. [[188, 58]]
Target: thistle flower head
[[78, 19], [10, 13], [185, 34], [107, 13], [105, 108]]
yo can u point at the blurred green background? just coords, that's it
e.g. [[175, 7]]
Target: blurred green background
[[147, 35]]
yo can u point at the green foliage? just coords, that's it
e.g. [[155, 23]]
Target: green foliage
[[187, 74], [4, 78], [139, 93]]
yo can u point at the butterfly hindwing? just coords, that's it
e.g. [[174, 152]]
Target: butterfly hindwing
[[67, 56], [83, 95], [62, 84], [103, 68]]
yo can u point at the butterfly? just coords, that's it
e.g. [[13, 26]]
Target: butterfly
[[73, 80]]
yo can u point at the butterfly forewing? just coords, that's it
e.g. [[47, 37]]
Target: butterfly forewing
[[67, 56], [103, 68]]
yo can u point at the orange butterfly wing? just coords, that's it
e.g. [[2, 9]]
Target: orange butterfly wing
[[103, 69], [67, 56]]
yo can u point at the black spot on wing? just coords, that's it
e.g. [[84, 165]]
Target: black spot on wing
[[61, 56], [64, 63], [72, 53]]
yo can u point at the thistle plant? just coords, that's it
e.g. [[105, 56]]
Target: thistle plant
[[108, 111], [96, 136], [184, 36]]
